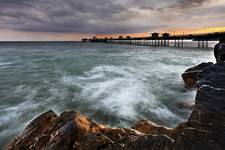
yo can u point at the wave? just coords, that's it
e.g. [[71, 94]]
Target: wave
[[119, 90], [4, 64], [14, 116], [14, 110]]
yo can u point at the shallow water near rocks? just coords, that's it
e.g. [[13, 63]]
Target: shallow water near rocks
[[113, 84]]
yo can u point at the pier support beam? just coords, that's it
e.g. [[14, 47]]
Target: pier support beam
[[203, 45], [182, 42]]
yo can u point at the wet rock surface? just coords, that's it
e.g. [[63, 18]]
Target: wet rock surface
[[204, 130], [190, 76]]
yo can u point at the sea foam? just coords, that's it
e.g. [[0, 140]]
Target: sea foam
[[119, 90]]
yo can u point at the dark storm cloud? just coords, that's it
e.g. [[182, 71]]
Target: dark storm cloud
[[94, 16], [62, 16], [171, 4], [191, 3]]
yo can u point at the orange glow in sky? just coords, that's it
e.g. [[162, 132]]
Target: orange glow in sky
[[10, 35], [171, 31]]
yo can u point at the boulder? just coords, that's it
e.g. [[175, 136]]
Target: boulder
[[34, 130], [190, 76]]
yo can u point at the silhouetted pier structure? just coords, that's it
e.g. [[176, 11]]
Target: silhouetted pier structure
[[163, 40]]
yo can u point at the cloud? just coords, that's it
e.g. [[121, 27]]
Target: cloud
[[191, 3], [107, 16]]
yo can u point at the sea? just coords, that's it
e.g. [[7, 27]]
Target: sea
[[113, 84]]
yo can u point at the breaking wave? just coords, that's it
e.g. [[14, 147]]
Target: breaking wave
[[121, 91]]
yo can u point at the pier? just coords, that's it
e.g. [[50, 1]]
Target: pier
[[165, 39]]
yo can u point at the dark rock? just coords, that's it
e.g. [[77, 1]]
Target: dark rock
[[152, 142], [219, 51], [62, 138], [149, 127], [213, 76], [190, 76], [33, 131], [96, 141]]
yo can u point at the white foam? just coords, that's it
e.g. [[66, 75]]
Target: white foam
[[118, 90], [4, 64], [15, 111]]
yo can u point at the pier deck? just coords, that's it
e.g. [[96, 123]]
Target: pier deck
[[163, 40]]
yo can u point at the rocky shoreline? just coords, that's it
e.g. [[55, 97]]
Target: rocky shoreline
[[204, 130]]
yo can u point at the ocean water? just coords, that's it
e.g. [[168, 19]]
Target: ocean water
[[114, 84]]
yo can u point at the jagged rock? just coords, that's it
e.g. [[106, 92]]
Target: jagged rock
[[149, 142], [190, 76], [34, 130], [207, 121], [205, 128], [219, 51], [71, 130], [148, 127], [213, 76], [95, 141]]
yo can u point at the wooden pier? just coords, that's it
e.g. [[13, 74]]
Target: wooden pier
[[164, 39]]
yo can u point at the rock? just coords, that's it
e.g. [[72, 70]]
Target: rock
[[34, 130], [190, 76], [150, 142], [207, 121], [219, 51], [205, 128], [148, 127], [49, 131], [213, 76], [132, 140], [96, 141], [62, 138]]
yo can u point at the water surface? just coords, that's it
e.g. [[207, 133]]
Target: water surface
[[113, 84]]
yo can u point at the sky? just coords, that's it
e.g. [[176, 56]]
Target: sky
[[59, 20]]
